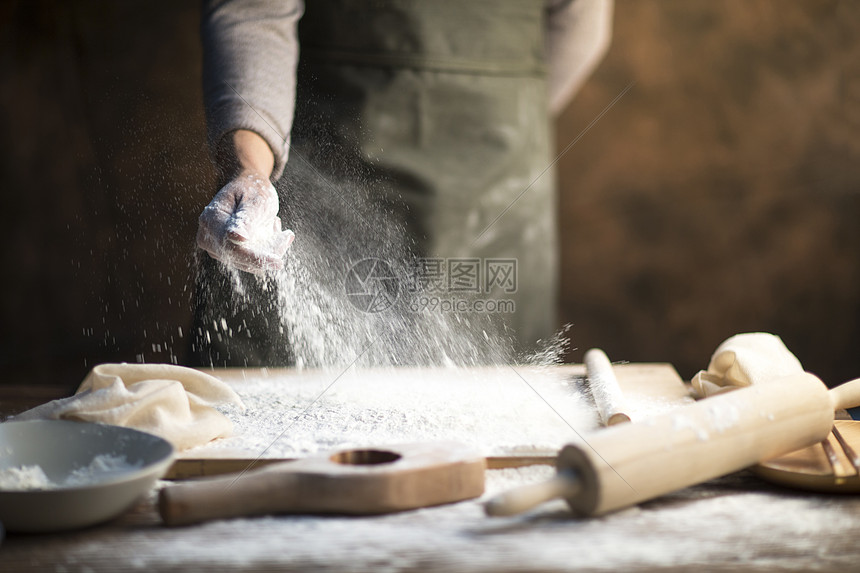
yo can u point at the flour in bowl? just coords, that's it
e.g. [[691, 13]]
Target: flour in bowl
[[103, 466], [24, 477]]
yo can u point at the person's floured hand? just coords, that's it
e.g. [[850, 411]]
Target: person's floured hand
[[240, 226]]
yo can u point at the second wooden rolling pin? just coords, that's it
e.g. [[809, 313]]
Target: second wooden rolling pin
[[629, 463], [605, 389]]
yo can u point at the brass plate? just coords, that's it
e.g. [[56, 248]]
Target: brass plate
[[809, 469]]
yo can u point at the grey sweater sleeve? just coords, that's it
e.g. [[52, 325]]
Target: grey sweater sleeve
[[250, 53], [578, 36]]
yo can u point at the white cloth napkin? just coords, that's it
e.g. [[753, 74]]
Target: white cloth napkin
[[174, 402], [746, 359]]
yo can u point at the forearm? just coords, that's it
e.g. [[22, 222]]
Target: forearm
[[578, 36], [250, 53], [243, 151]]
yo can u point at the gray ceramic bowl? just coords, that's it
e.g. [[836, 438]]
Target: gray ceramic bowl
[[61, 447]]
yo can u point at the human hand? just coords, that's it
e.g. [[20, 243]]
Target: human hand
[[240, 226]]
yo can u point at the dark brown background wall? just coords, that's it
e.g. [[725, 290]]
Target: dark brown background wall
[[722, 193], [719, 195]]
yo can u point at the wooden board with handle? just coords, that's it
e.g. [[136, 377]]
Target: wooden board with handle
[[350, 482]]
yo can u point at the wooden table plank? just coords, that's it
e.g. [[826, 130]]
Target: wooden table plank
[[735, 523]]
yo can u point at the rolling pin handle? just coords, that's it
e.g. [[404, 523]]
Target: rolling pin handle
[[565, 484], [618, 418], [846, 395]]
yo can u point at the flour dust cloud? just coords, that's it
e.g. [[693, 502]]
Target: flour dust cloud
[[348, 293]]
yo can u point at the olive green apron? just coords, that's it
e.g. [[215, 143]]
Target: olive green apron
[[441, 107]]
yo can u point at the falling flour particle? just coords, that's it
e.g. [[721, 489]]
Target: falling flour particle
[[103, 466]]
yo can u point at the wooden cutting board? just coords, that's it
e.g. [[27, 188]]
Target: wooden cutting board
[[649, 389]]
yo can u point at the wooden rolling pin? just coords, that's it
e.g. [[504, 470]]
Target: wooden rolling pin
[[351, 482], [604, 388], [630, 463]]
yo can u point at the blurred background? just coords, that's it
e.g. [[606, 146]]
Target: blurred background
[[720, 195]]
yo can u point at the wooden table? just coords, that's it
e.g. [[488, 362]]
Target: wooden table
[[736, 522], [733, 523]]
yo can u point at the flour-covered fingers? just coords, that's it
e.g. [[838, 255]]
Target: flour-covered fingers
[[251, 260], [240, 226]]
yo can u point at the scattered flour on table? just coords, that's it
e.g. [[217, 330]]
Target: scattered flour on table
[[643, 406], [498, 410], [727, 525], [33, 477]]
